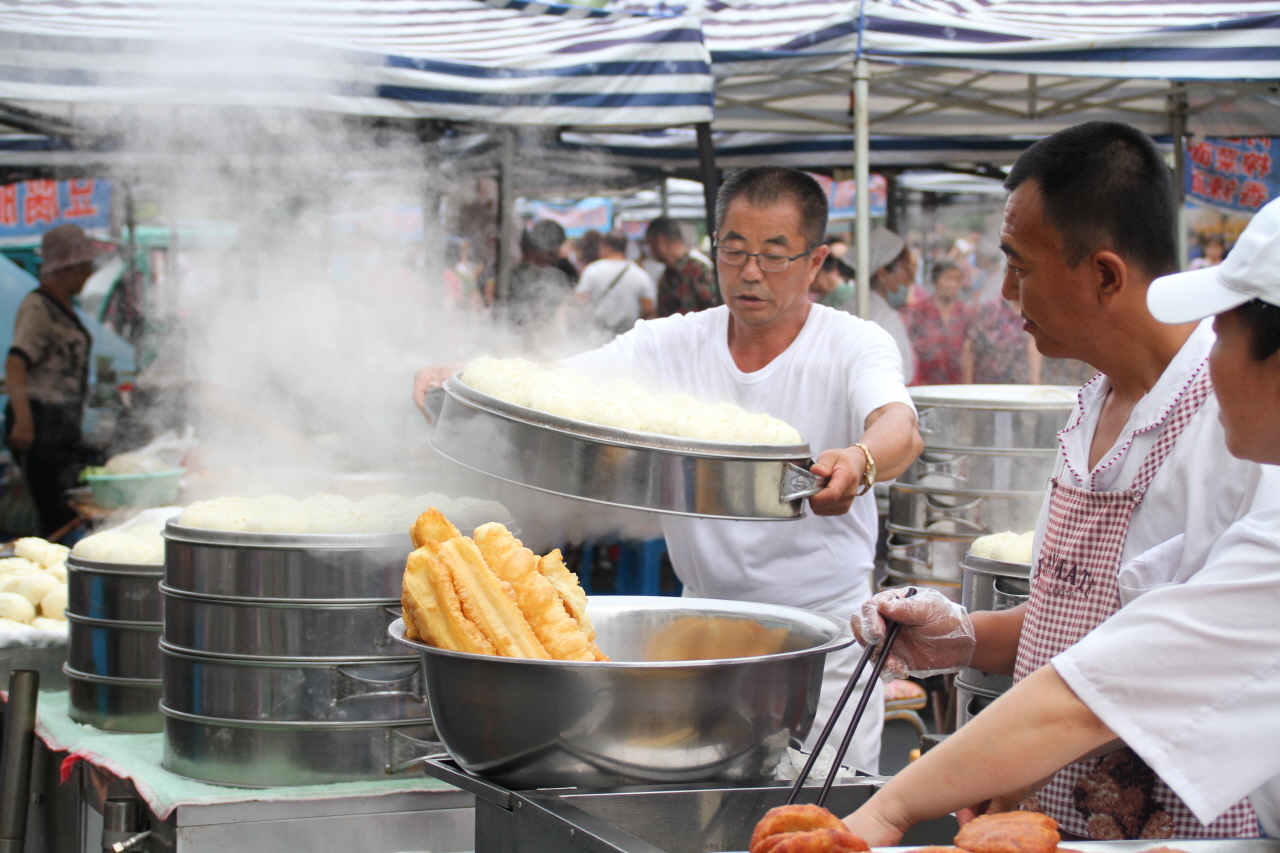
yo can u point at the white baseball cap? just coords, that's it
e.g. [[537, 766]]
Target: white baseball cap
[[1251, 271]]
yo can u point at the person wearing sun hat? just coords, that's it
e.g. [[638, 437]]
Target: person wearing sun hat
[[47, 373], [1187, 675]]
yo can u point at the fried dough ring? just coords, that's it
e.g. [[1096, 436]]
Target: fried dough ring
[[1010, 832], [803, 829]]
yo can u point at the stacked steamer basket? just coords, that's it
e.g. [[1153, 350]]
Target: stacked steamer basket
[[278, 669], [988, 453], [988, 585], [113, 652]]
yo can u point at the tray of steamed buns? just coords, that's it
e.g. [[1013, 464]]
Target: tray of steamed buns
[[553, 429]]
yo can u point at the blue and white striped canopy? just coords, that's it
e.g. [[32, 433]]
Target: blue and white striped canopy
[[1152, 39], [505, 61]]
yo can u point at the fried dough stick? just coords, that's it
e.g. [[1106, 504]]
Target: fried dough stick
[[432, 526], [536, 597], [432, 609], [552, 568], [489, 602]]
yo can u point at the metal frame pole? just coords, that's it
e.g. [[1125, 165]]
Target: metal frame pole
[[1178, 130], [15, 764], [862, 175], [710, 178], [506, 209]]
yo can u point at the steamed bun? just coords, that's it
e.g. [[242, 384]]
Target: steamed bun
[[45, 624], [17, 607], [39, 551], [36, 587], [54, 605]]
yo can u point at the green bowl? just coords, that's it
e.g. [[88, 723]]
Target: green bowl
[[112, 491]]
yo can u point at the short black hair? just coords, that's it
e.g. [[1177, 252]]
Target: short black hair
[[664, 226], [1105, 184], [546, 236], [764, 185], [616, 240], [940, 268], [1262, 319]]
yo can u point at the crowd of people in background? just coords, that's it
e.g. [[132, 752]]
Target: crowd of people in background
[[938, 295]]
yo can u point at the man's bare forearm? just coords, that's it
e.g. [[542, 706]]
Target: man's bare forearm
[[893, 438], [15, 380], [997, 633]]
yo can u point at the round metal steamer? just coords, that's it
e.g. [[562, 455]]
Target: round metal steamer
[[970, 700], [114, 704], [237, 564], [118, 591], [989, 451], [278, 669], [114, 649], [991, 585], [633, 720], [279, 628], [274, 689], [268, 754], [619, 467]]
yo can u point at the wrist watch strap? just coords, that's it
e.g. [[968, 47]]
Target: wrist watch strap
[[869, 473]]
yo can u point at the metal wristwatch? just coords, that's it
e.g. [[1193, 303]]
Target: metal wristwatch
[[869, 474]]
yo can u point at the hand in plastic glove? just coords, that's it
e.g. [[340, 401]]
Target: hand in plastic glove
[[936, 635]]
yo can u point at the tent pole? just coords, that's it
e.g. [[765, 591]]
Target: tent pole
[[665, 197], [506, 205], [862, 175], [1178, 130], [710, 180]]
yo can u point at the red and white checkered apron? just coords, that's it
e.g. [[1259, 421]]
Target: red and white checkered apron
[[1075, 589]]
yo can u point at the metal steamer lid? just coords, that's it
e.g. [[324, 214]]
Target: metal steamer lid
[[1046, 398], [320, 541], [458, 389], [986, 565], [107, 567]]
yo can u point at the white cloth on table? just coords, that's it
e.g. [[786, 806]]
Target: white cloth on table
[[1199, 491], [836, 372], [1188, 675]]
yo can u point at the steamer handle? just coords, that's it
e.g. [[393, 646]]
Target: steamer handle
[[799, 483], [433, 405], [345, 686]]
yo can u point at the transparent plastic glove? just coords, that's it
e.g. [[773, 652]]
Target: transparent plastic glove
[[936, 635]]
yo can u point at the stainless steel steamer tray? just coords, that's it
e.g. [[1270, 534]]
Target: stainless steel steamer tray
[[640, 470]]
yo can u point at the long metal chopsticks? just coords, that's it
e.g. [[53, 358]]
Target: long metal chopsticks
[[884, 646]]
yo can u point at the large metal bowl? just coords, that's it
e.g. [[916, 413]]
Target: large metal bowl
[[646, 717]]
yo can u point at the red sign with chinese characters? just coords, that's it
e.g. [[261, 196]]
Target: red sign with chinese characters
[[1237, 173], [31, 208]]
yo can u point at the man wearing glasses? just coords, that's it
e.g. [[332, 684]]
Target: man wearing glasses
[[834, 377]]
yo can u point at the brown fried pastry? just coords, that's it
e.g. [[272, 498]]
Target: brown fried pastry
[[537, 599], [432, 607], [1010, 832], [489, 602], [552, 568], [803, 829], [432, 526]]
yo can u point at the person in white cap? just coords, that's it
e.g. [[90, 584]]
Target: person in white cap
[[47, 374], [893, 269], [1187, 675], [1143, 485]]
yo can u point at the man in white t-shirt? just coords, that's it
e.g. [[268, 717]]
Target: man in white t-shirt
[[618, 291], [834, 377]]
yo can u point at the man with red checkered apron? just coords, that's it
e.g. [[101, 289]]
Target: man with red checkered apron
[[1143, 485]]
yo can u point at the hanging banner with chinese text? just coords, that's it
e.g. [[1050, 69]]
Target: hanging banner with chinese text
[[30, 208], [842, 196], [1236, 173]]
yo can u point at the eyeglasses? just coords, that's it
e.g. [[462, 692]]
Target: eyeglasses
[[768, 262]]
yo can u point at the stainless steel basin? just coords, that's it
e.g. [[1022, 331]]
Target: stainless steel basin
[[649, 716]]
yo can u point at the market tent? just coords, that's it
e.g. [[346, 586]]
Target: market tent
[[505, 62], [1007, 67]]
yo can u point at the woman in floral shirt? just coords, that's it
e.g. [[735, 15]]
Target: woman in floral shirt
[[940, 330]]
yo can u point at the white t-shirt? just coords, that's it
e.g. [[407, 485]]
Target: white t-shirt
[[880, 312], [619, 305], [1199, 490], [836, 372], [1188, 675]]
